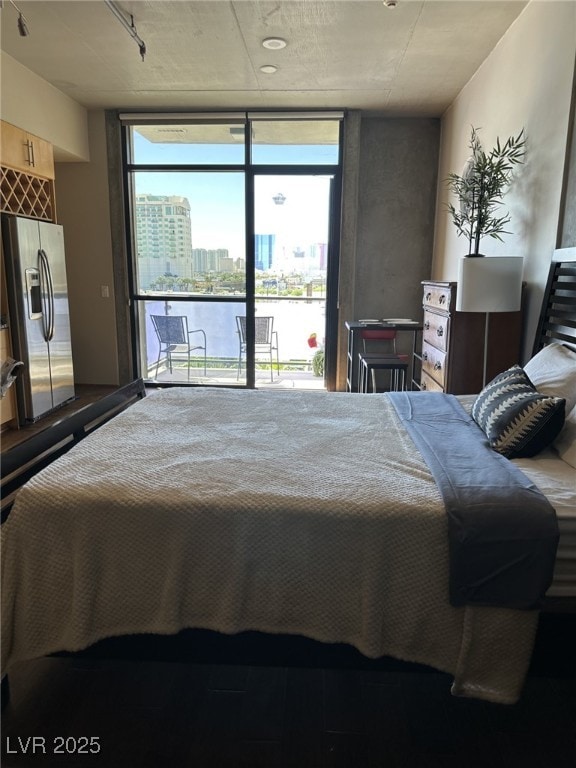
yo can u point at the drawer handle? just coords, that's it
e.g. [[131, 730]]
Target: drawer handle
[[426, 326], [442, 299], [423, 385], [437, 365], [424, 355], [428, 296], [439, 331]]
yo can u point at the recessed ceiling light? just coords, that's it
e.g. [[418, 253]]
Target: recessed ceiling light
[[268, 69], [274, 43]]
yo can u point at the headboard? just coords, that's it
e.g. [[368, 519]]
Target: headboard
[[557, 320]]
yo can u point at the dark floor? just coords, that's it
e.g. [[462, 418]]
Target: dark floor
[[165, 715]]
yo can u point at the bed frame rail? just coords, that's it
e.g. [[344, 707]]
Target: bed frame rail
[[24, 460]]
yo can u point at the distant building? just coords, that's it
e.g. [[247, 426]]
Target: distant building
[[318, 252], [226, 264], [163, 237], [210, 260], [264, 251]]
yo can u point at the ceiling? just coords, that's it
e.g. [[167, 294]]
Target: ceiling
[[206, 54]]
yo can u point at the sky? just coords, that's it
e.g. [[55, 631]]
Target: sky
[[217, 198]]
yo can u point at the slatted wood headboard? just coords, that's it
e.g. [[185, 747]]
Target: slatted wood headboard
[[558, 314]]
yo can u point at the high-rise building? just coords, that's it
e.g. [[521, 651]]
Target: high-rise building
[[319, 252], [264, 251], [210, 260], [163, 237]]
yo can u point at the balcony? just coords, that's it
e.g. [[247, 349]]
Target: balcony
[[295, 321], [289, 378]]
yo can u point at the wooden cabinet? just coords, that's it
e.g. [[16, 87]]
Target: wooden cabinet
[[23, 151], [452, 355], [26, 174]]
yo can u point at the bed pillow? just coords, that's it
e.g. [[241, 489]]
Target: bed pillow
[[518, 420], [553, 372], [565, 443]]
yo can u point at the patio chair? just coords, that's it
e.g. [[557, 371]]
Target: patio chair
[[265, 341], [174, 339]]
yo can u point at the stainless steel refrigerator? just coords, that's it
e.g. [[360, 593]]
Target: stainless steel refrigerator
[[39, 317]]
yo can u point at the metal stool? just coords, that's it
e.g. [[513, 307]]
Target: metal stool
[[368, 363]]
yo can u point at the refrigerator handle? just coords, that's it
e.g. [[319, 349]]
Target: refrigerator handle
[[47, 295]]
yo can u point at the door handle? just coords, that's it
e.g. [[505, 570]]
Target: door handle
[[47, 295]]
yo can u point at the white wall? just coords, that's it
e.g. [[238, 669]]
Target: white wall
[[82, 207], [31, 103], [526, 82]]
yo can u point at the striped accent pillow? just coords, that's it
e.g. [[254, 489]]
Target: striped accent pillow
[[517, 419]]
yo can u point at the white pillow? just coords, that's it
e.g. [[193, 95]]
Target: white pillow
[[565, 443], [553, 372]]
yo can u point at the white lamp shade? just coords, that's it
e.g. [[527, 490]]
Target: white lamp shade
[[489, 284]]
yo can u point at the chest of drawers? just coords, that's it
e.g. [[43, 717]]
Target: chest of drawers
[[452, 353]]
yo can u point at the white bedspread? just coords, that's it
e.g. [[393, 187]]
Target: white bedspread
[[301, 512]]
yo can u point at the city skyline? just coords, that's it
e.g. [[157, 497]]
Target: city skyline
[[218, 209], [165, 244]]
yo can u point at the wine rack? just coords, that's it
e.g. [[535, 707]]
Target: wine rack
[[26, 195]]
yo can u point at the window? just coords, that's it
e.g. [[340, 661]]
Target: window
[[222, 228]]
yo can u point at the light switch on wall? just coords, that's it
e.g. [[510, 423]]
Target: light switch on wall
[[105, 291]]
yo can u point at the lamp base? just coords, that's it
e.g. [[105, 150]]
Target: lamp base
[[485, 362]]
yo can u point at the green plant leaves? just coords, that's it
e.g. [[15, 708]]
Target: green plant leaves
[[481, 186]]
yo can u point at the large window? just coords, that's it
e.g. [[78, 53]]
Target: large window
[[230, 219]]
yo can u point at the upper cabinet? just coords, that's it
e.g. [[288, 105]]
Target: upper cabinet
[[27, 174], [25, 152]]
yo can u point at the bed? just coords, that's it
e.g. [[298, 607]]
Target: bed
[[297, 514]]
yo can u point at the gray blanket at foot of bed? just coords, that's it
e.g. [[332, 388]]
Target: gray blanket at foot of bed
[[502, 530]]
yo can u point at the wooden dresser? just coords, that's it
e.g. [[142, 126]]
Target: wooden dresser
[[452, 355]]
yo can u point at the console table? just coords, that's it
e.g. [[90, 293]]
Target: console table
[[355, 327]]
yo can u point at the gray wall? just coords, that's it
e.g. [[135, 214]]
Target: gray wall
[[393, 203], [396, 203]]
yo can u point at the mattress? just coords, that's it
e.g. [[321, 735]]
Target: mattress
[[557, 481]]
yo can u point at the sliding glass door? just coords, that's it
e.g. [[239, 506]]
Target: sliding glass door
[[291, 230], [225, 232]]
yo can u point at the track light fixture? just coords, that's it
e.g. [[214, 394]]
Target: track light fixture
[[129, 26], [22, 24]]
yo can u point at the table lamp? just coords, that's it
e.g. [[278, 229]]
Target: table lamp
[[489, 284]]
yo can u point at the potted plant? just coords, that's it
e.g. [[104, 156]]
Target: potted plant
[[479, 189], [318, 363]]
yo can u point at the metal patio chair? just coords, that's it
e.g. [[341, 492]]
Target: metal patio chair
[[174, 339], [265, 341]]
